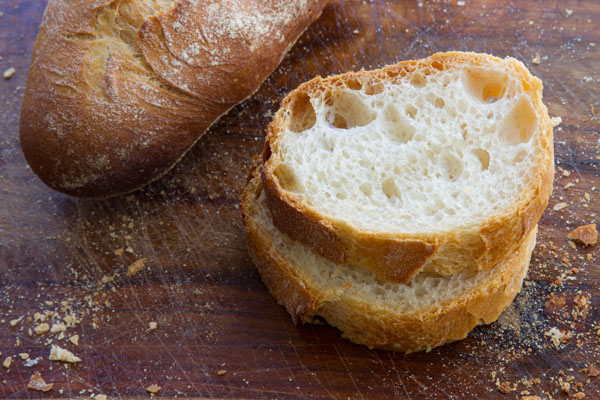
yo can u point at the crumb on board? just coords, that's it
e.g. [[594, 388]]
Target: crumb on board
[[537, 59], [41, 328], [555, 336], [152, 325], [505, 387], [154, 388], [58, 327], [6, 363], [36, 382], [593, 371], [221, 372], [74, 339], [9, 73], [57, 353], [100, 397], [586, 234], [15, 322], [555, 121], [136, 267], [24, 356], [119, 251], [559, 206]]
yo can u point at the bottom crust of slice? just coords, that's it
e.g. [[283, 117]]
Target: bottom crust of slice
[[362, 307]]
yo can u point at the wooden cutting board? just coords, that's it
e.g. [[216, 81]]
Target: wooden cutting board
[[218, 332]]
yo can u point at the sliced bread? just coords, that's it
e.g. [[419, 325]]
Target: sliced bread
[[427, 312], [437, 165]]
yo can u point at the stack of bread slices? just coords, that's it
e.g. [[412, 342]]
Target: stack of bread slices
[[401, 204]]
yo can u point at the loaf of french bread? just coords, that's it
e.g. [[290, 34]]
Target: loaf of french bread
[[119, 90]]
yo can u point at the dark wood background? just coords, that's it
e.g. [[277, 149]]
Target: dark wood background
[[212, 311]]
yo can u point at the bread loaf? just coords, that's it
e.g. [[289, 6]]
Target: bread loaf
[[119, 90], [427, 312], [433, 165]]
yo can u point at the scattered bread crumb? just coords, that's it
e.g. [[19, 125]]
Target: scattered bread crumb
[[531, 398], [58, 327], [555, 121], [579, 395], [24, 356], [586, 234], [101, 397], [559, 206], [537, 59], [120, 251], [505, 387], [38, 383], [556, 337], [74, 339], [7, 362], [41, 328], [14, 322], [154, 388], [57, 353], [221, 372], [9, 73], [136, 267], [592, 111], [568, 12], [153, 325], [593, 371]]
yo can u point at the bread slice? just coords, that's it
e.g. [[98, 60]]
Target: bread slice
[[438, 164], [429, 311]]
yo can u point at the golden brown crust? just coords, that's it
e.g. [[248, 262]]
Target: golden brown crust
[[103, 115], [398, 257], [375, 325]]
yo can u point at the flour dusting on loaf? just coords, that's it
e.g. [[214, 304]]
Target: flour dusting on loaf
[[119, 90]]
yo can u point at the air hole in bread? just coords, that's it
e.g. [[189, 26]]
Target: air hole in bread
[[519, 126], [437, 65], [483, 156], [486, 86], [389, 188], [374, 88], [366, 189], [341, 195], [410, 110], [418, 80], [354, 84], [348, 111], [398, 127], [287, 178], [439, 103], [520, 157], [452, 166], [302, 114]]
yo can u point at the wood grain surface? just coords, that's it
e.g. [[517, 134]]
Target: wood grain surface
[[218, 332]]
